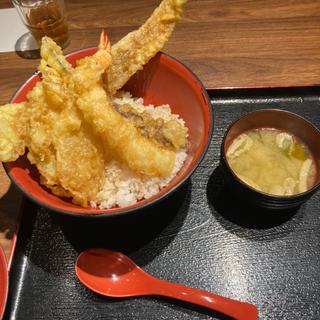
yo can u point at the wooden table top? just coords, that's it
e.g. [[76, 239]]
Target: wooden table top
[[227, 43]]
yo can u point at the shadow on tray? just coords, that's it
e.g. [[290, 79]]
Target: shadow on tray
[[53, 241], [243, 220], [129, 232]]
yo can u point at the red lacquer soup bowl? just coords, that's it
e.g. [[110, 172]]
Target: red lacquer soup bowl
[[163, 80]]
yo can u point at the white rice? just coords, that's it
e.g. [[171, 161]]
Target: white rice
[[123, 187]]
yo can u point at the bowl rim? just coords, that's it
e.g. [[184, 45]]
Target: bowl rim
[[130, 210], [267, 195]]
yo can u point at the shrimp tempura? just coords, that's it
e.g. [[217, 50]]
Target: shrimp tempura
[[122, 138]]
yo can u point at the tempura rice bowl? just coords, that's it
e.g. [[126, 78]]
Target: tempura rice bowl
[[163, 81]]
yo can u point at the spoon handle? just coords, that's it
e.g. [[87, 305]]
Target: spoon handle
[[233, 308]]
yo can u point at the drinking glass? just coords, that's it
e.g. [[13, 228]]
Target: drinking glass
[[44, 18]]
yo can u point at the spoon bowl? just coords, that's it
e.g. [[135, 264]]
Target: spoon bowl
[[113, 274]]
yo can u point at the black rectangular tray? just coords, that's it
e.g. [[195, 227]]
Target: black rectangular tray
[[202, 236]]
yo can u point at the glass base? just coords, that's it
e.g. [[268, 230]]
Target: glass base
[[26, 46]]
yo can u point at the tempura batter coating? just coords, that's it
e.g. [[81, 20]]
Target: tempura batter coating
[[41, 118], [90, 69], [39, 139], [79, 155], [80, 163], [12, 131], [122, 138], [133, 51]]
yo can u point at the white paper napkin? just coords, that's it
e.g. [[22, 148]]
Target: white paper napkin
[[12, 28]]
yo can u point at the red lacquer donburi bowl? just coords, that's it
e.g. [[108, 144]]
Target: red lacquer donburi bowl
[[163, 80]]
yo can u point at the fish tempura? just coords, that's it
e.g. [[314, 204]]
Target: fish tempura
[[133, 51]]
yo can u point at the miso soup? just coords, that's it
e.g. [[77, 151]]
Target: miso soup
[[272, 161]]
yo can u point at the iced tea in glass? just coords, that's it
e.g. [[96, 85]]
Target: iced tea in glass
[[44, 18]]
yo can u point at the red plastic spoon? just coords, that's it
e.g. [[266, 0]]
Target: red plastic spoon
[[115, 275]]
